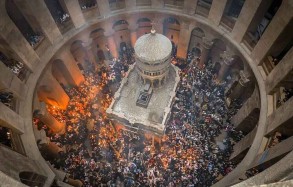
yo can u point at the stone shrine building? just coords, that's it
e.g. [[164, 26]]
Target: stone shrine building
[[146, 94]]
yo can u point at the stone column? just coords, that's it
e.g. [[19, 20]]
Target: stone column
[[132, 28], [51, 149], [184, 37], [51, 92], [280, 21], [228, 61], [190, 6], [159, 23], [43, 17], [49, 120], [217, 11], [71, 66], [240, 87], [91, 53], [112, 46], [75, 12], [11, 36], [109, 34], [205, 49], [104, 7], [249, 11]]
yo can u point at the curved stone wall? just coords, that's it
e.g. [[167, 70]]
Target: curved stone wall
[[57, 43]]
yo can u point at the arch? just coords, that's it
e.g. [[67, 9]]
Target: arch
[[195, 40], [144, 26], [101, 55], [119, 23], [61, 73], [217, 49], [76, 45], [238, 64], [142, 20], [80, 54], [122, 33], [217, 67], [32, 179], [97, 33], [156, 83]]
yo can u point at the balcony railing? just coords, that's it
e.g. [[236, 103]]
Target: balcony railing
[[87, 4], [117, 5], [18, 68], [228, 22], [268, 65], [249, 41], [143, 2], [203, 8], [174, 3]]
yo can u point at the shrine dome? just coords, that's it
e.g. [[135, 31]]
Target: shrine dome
[[153, 48]]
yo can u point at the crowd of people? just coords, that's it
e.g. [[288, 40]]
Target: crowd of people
[[101, 153]]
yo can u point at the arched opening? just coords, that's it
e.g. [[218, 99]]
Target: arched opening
[[8, 99], [60, 15], [237, 66], [61, 74], [116, 4], [195, 41], [216, 68], [80, 54], [156, 83], [122, 36], [144, 26], [32, 179], [217, 49], [171, 29], [101, 55], [100, 43], [33, 35]]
